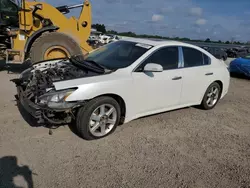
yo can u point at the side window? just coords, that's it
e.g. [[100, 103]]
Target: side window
[[206, 60], [167, 57], [193, 57]]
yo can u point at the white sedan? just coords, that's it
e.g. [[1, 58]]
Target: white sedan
[[120, 82]]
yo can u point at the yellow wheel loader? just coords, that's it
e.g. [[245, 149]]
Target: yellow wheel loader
[[38, 31]]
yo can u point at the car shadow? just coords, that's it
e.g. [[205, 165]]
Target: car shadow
[[13, 68], [73, 129], [9, 169]]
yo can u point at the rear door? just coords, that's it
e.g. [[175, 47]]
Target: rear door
[[197, 75]]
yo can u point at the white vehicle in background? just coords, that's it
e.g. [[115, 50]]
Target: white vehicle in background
[[120, 82], [108, 38], [112, 38], [104, 39], [93, 37]]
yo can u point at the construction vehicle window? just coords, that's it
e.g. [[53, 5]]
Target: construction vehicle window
[[7, 5], [117, 55]]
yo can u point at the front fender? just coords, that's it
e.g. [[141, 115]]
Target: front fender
[[92, 90]]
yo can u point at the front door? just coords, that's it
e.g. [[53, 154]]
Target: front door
[[158, 90]]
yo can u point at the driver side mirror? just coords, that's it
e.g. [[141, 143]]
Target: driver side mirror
[[153, 67]]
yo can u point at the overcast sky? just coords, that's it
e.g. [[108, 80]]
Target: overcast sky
[[196, 19]]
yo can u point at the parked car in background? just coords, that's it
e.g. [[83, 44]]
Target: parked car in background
[[247, 49], [104, 39], [237, 52], [231, 52], [108, 38], [204, 47], [242, 52], [240, 66], [218, 53], [120, 82], [113, 38]]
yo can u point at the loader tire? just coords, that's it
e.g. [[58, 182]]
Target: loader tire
[[53, 45]]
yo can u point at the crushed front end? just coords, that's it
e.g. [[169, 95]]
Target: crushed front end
[[38, 96], [49, 109]]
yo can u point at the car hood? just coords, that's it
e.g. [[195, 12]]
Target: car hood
[[48, 76], [97, 79]]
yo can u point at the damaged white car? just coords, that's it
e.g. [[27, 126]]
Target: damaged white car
[[119, 82]]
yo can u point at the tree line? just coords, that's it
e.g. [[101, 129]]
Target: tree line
[[102, 28]]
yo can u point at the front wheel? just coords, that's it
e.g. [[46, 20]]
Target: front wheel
[[211, 96], [98, 118]]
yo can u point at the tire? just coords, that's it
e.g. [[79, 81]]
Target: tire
[[204, 103], [49, 40], [84, 117]]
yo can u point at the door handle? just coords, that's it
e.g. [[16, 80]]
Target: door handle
[[209, 73], [177, 78]]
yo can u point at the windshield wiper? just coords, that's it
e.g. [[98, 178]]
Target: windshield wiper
[[95, 63], [79, 62]]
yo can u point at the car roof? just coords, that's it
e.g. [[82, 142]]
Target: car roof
[[155, 42]]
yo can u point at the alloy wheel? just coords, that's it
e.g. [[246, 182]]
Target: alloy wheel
[[102, 120], [212, 96]]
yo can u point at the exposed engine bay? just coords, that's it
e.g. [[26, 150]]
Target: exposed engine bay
[[36, 89]]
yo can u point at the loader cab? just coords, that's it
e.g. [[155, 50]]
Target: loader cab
[[9, 13]]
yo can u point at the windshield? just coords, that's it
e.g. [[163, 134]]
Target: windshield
[[8, 5], [118, 54]]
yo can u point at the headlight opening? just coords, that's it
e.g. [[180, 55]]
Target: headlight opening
[[55, 97]]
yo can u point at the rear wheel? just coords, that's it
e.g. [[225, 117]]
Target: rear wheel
[[53, 45], [211, 96], [98, 118]]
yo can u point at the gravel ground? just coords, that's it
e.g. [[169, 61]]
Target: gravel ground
[[182, 148]]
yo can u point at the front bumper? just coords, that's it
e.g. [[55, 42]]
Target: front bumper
[[40, 113], [34, 110]]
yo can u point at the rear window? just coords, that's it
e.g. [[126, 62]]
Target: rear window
[[194, 57]]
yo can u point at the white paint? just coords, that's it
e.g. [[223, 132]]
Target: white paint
[[147, 93], [144, 45]]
